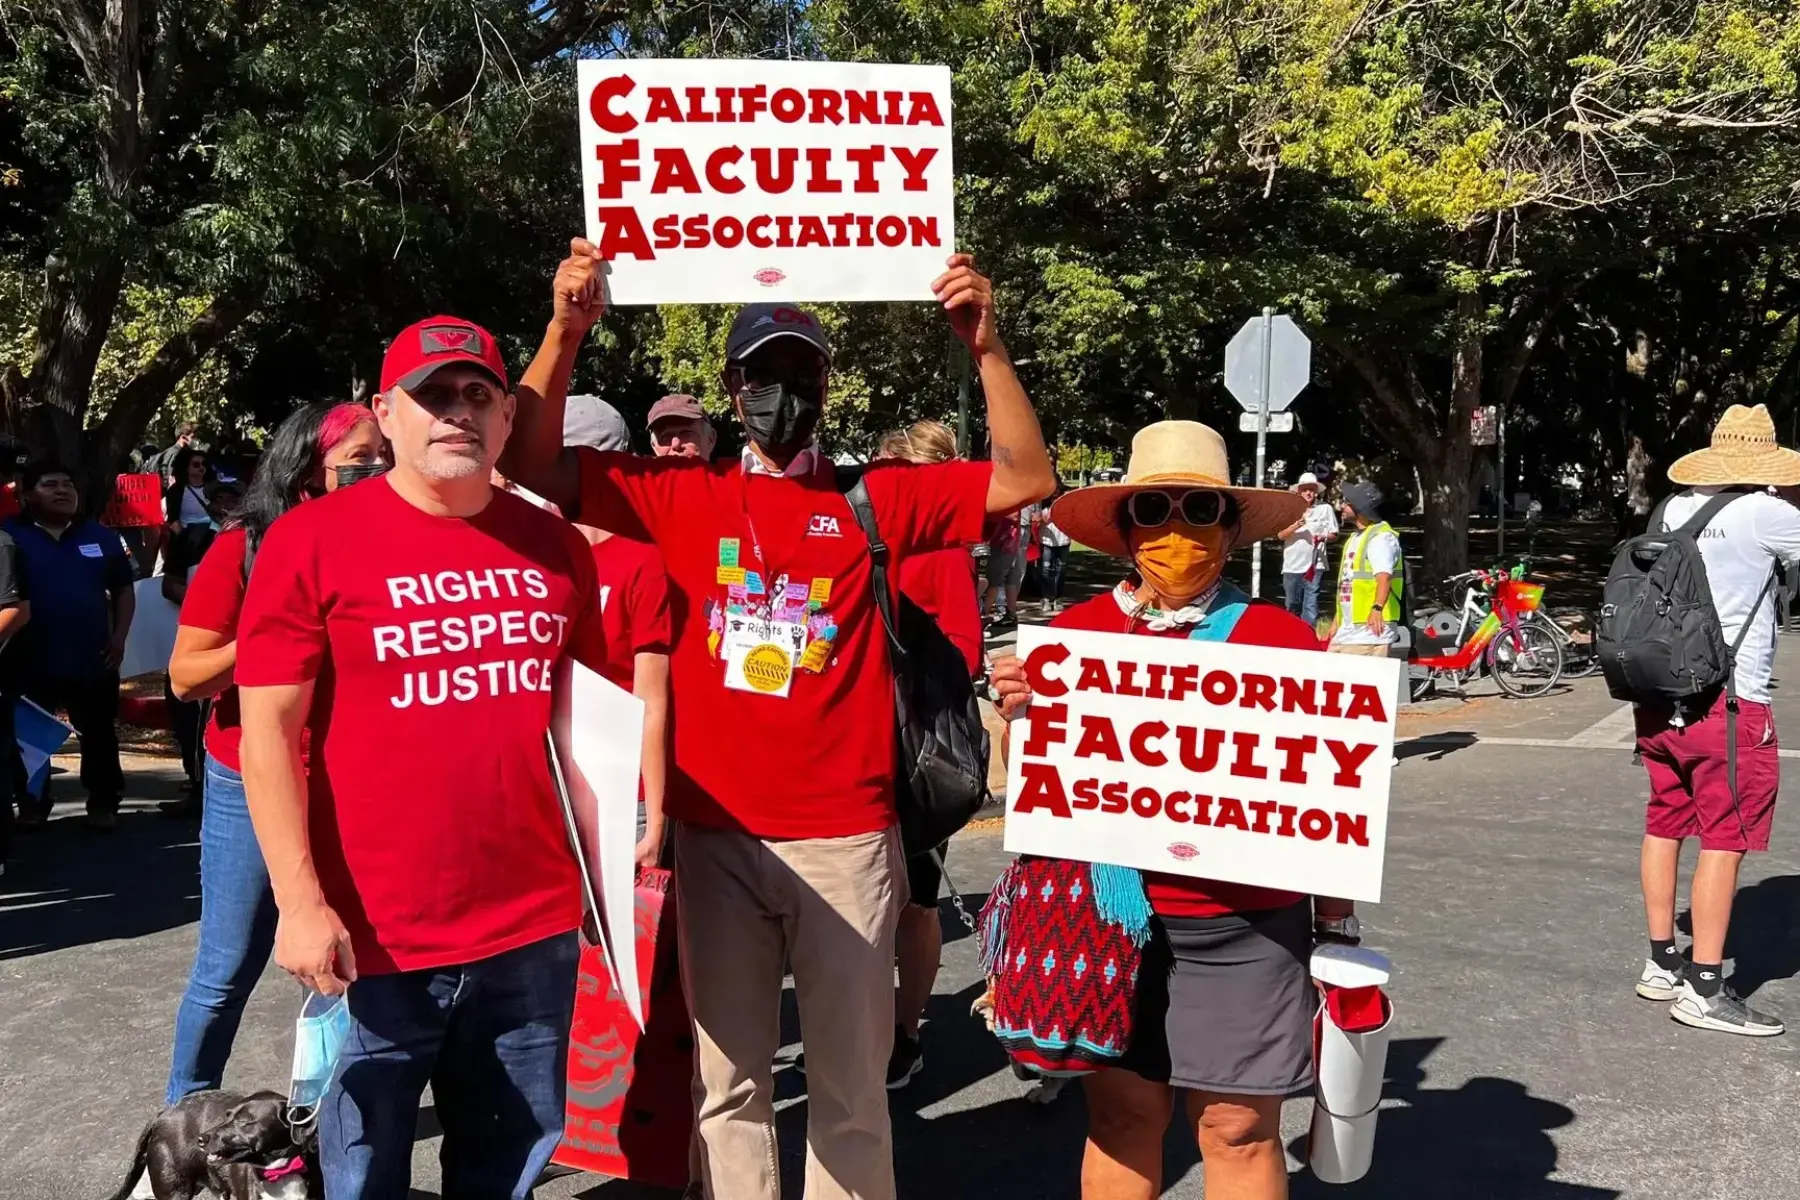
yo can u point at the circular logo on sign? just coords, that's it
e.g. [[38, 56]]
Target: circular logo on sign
[[1183, 850], [769, 276], [767, 666]]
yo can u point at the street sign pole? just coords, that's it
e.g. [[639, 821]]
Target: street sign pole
[[1500, 446], [1262, 437]]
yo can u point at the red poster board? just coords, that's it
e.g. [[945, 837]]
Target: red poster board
[[136, 502], [9, 501], [630, 1110]]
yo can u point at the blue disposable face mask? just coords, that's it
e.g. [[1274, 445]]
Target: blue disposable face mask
[[319, 1036]]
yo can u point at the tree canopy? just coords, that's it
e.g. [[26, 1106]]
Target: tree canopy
[[1582, 211]]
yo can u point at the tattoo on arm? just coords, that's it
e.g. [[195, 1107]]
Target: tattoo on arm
[[1003, 456]]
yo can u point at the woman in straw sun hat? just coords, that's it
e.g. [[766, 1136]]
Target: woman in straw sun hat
[[1224, 1004], [1688, 758]]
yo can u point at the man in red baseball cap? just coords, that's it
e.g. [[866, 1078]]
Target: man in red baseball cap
[[425, 864]]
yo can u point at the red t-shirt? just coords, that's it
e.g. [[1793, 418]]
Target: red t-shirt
[[634, 605], [819, 762], [215, 597], [943, 584], [1262, 624], [433, 644]]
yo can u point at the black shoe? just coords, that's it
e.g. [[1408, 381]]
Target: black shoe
[[1724, 1012], [905, 1061]]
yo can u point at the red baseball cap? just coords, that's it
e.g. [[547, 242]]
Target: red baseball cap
[[438, 342]]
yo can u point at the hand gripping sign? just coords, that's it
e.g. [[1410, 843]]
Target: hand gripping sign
[[1239, 763], [727, 181]]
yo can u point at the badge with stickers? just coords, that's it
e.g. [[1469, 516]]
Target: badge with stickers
[[765, 631]]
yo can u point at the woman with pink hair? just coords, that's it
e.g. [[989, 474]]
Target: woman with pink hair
[[317, 449]]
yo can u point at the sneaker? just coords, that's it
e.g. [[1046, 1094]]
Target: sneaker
[[1725, 1013], [905, 1061], [1658, 984]]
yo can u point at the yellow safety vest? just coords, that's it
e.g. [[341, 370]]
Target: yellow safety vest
[[1354, 571]]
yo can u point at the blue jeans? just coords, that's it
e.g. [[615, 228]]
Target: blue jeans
[[237, 935], [1303, 595], [492, 1039], [1051, 561]]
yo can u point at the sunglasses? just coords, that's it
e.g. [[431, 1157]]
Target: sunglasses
[[1153, 510]]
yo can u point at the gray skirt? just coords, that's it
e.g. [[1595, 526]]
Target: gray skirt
[[1225, 1004]]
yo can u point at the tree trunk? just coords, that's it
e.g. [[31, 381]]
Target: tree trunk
[[72, 325], [110, 444], [1445, 470]]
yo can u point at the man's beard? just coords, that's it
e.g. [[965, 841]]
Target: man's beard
[[453, 465]]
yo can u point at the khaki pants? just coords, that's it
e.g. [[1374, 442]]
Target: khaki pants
[[1366, 651], [828, 907]]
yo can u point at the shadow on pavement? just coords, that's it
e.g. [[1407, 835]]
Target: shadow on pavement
[[1434, 745], [68, 886], [1765, 933], [1488, 1138]]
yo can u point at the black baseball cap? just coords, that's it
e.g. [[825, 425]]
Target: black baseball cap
[[758, 324]]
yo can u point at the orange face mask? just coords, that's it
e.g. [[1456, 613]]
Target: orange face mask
[[1178, 560]]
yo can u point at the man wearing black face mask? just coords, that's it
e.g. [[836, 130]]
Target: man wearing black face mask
[[782, 782]]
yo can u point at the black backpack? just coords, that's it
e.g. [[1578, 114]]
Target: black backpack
[[1659, 637], [941, 745]]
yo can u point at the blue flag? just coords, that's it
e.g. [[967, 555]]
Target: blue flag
[[39, 736]]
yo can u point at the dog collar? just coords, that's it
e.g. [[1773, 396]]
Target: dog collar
[[282, 1168]]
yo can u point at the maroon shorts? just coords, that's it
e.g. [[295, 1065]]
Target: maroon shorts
[[1690, 790]]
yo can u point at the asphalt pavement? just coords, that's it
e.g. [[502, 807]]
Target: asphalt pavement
[[1523, 1065]]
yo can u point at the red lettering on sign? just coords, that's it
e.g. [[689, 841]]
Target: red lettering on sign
[[914, 162], [716, 162], [757, 233], [674, 173], [1098, 737], [1296, 749], [696, 113], [1037, 674], [1087, 794], [1174, 805], [1259, 692], [1142, 736], [827, 105], [1353, 829], [1231, 814], [775, 167], [667, 231], [1262, 809], [663, 105], [1114, 798], [1365, 701], [1243, 766], [1047, 726], [865, 159], [812, 232], [1349, 758], [1315, 824], [1041, 788], [615, 87], [924, 110], [1207, 756], [621, 235], [618, 167]]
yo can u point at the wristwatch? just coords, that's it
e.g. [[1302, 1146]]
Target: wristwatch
[[1345, 929]]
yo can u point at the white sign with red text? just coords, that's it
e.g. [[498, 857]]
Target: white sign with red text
[[1238, 763], [733, 181]]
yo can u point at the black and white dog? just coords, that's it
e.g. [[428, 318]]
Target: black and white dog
[[235, 1146]]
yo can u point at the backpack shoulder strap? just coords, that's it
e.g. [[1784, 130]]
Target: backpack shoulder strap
[[1704, 517], [854, 485]]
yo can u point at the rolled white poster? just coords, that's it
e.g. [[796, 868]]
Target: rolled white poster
[[1350, 1067]]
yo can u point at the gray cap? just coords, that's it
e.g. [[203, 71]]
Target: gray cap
[[592, 422], [1363, 497]]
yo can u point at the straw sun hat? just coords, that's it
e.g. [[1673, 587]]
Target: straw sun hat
[[1743, 451], [1172, 455]]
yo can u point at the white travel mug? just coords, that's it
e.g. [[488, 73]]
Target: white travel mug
[[1350, 1069]]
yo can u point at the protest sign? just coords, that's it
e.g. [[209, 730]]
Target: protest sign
[[731, 181], [596, 740], [136, 502], [151, 639], [1238, 763]]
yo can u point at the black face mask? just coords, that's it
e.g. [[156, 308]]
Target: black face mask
[[780, 417]]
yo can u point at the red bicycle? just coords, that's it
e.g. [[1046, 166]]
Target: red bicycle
[[1524, 658]]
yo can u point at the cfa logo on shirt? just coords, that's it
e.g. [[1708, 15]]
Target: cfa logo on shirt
[[823, 525]]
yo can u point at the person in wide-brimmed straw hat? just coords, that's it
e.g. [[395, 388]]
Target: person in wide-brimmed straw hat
[[1743, 452], [1223, 1009], [1713, 763]]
